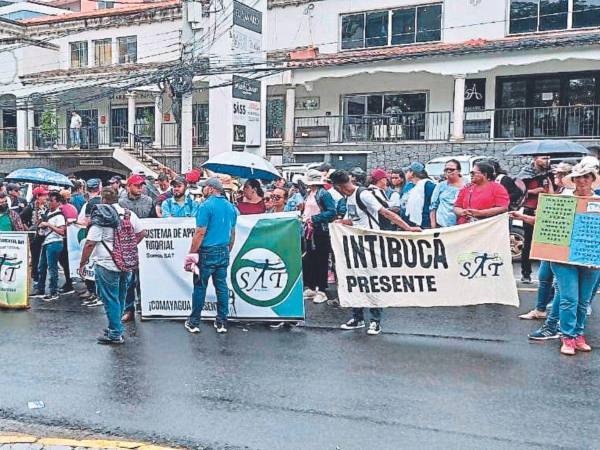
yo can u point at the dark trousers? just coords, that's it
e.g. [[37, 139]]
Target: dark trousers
[[528, 237], [315, 262], [63, 260], [36, 250], [133, 292]]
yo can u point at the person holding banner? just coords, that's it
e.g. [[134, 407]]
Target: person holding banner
[[211, 246], [363, 210]]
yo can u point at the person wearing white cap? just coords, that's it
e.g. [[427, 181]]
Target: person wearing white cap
[[318, 210]]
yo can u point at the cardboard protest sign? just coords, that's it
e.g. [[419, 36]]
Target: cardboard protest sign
[[463, 265], [567, 230]]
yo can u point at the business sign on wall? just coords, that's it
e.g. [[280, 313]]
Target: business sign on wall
[[246, 111], [246, 34]]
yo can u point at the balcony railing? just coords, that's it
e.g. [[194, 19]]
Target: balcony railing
[[418, 126], [171, 135], [8, 139], [90, 138]]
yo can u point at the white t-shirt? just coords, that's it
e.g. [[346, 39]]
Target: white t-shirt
[[358, 216], [76, 121], [106, 235], [57, 220]]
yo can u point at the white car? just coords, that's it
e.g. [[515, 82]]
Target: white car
[[435, 167]]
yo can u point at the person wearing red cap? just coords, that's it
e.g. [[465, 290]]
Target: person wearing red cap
[[378, 185]]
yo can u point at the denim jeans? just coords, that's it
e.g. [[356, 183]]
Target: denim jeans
[[111, 288], [75, 136], [575, 285], [132, 292], [213, 262], [553, 317], [359, 314], [544, 293], [49, 263]]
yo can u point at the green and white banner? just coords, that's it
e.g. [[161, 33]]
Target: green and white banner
[[76, 238], [14, 270], [265, 272]]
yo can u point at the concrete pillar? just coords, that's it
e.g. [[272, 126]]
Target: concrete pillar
[[131, 117], [290, 106], [22, 130], [186, 132], [459, 108], [157, 123]]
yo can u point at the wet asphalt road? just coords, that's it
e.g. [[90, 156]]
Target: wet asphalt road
[[455, 378]]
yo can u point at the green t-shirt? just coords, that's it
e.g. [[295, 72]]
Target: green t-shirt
[[5, 222]]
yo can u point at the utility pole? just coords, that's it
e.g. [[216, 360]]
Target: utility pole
[[187, 38]]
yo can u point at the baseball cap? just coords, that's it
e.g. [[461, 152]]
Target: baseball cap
[[93, 183], [378, 174], [212, 182], [163, 177], [136, 179], [115, 179], [193, 176], [415, 167], [39, 191], [180, 179]]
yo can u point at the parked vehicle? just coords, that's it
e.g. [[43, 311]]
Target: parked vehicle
[[435, 167]]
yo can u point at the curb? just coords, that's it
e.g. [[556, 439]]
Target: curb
[[41, 442]]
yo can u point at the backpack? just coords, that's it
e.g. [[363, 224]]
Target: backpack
[[383, 222], [517, 191], [125, 251]]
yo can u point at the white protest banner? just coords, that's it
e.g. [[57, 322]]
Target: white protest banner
[[14, 270], [76, 238], [265, 275], [456, 266]]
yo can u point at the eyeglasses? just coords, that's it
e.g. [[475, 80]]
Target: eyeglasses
[[449, 170], [276, 197]]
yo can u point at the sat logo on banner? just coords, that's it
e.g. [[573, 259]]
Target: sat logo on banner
[[265, 269], [14, 270]]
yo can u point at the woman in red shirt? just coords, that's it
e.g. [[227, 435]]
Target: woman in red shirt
[[252, 201], [483, 197]]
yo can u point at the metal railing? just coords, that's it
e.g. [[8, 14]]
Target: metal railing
[[417, 126], [275, 132], [200, 134], [8, 139], [88, 138], [534, 123]]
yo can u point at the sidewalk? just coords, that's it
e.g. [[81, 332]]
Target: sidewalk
[[29, 442]]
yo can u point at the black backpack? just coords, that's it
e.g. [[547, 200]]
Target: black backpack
[[383, 222]]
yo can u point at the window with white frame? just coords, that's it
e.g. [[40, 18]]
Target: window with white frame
[[79, 54], [103, 52], [127, 49], [398, 26], [105, 5], [531, 16]]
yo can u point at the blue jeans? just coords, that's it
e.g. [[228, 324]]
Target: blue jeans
[[49, 263], [575, 285], [75, 136], [553, 316], [213, 262], [544, 293], [132, 292], [359, 314], [111, 288]]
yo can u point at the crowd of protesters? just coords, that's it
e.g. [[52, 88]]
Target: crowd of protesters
[[398, 200]]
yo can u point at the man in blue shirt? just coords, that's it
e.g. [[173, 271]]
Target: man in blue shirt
[[213, 241], [180, 204]]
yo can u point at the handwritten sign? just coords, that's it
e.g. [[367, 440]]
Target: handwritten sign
[[567, 230]]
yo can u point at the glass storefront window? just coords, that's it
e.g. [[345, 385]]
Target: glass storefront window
[[586, 13]]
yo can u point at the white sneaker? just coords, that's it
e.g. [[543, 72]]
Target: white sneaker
[[320, 297], [353, 324], [374, 328], [309, 293]]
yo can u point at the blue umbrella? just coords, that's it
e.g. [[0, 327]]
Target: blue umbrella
[[548, 147], [243, 165], [39, 175]]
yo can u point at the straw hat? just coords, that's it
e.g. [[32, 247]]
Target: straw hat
[[586, 166], [314, 177], [228, 182]]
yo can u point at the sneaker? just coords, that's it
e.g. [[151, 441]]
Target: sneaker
[[526, 279], [320, 297], [221, 327], [37, 293], [67, 290], [568, 346], [334, 302], [543, 334], [534, 314], [277, 325], [94, 303], [353, 324], [374, 328], [50, 297], [191, 328], [581, 345], [89, 300], [309, 293], [105, 340]]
